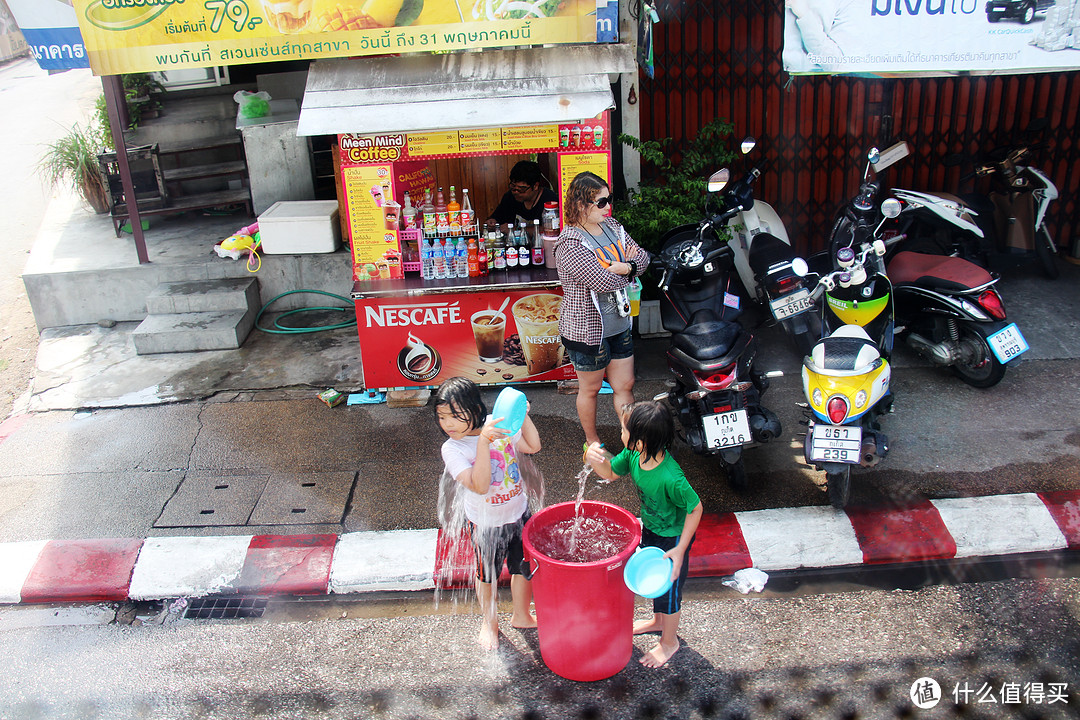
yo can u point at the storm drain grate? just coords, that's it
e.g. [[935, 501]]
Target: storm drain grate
[[220, 608]]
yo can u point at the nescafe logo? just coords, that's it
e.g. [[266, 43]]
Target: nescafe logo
[[418, 361]]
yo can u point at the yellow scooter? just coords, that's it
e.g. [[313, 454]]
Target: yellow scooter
[[846, 375]]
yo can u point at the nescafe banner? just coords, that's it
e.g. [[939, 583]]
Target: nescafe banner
[[421, 341]]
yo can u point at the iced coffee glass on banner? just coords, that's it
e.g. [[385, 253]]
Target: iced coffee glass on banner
[[537, 320], [288, 16], [489, 328]]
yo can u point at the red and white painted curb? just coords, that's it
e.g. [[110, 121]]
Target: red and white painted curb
[[104, 570]]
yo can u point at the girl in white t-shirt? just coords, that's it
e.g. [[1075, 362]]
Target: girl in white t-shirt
[[483, 460]]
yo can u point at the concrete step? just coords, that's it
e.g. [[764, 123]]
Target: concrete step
[[194, 331], [192, 296]]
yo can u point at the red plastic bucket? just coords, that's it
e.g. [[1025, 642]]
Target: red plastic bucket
[[584, 611]]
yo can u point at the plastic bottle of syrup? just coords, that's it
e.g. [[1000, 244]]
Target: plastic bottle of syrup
[[537, 241], [524, 248], [468, 217], [453, 212], [408, 214], [511, 246], [427, 212], [442, 215], [500, 250], [482, 258]]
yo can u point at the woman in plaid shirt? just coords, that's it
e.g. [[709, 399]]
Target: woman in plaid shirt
[[597, 260]]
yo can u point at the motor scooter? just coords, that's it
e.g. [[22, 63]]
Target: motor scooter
[[762, 254], [847, 373], [716, 388]]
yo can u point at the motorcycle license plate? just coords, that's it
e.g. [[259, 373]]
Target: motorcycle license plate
[[726, 429], [791, 305], [836, 443], [1007, 343]]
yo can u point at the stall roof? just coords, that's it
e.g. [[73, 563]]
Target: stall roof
[[479, 89]]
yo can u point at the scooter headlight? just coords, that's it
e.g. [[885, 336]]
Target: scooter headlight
[[860, 399], [817, 397], [837, 409]]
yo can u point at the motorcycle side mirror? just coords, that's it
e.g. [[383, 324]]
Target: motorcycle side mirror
[[718, 180], [799, 267], [890, 208], [873, 156], [747, 145]]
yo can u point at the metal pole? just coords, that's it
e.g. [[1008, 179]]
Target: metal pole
[[114, 96]]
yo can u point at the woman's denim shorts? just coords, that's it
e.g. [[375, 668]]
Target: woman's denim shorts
[[611, 348]]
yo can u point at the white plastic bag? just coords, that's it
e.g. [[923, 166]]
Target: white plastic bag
[[746, 580]]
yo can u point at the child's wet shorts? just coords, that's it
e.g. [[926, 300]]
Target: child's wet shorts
[[670, 602], [495, 546], [589, 358]]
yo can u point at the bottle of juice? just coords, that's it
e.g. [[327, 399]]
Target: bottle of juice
[[428, 212], [474, 258], [442, 216], [524, 248], [453, 212], [468, 217]]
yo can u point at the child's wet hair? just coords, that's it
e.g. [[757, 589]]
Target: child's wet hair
[[650, 423], [462, 396]]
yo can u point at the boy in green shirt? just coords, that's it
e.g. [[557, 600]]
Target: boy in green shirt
[[670, 509]]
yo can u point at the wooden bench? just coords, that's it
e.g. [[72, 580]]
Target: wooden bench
[[173, 197]]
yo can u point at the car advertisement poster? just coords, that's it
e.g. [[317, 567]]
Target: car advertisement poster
[[128, 36], [936, 37], [492, 338]]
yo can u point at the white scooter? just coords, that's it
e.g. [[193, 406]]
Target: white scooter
[[762, 255]]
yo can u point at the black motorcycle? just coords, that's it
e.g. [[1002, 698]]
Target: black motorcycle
[[716, 390]]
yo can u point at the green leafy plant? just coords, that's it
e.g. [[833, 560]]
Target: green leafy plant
[[675, 194], [73, 159]]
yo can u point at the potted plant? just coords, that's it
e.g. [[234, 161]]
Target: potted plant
[[73, 158], [141, 91]]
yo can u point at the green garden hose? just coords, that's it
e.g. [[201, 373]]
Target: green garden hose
[[286, 330]]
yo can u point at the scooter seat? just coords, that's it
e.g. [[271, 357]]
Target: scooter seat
[[937, 272], [768, 250], [848, 350], [707, 340]]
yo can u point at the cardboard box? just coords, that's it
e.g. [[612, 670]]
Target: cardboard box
[[300, 226]]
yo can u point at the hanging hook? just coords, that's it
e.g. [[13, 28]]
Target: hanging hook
[[631, 98]]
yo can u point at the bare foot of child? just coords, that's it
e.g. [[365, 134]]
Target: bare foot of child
[[647, 626], [659, 655], [528, 621], [489, 637]]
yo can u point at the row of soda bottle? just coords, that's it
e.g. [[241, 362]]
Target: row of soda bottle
[[437, 216], [442, 258]]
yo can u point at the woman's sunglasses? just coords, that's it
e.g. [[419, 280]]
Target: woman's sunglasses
[[602, 202]]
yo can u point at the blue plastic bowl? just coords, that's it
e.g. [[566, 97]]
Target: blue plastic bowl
[[648, 572], [511, 405]]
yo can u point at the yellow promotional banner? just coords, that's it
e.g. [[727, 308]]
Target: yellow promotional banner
[[127, 36]]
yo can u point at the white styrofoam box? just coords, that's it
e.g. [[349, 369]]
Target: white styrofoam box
[[294, 227]]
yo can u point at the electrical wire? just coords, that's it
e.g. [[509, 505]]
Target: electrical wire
[[280, 329]]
